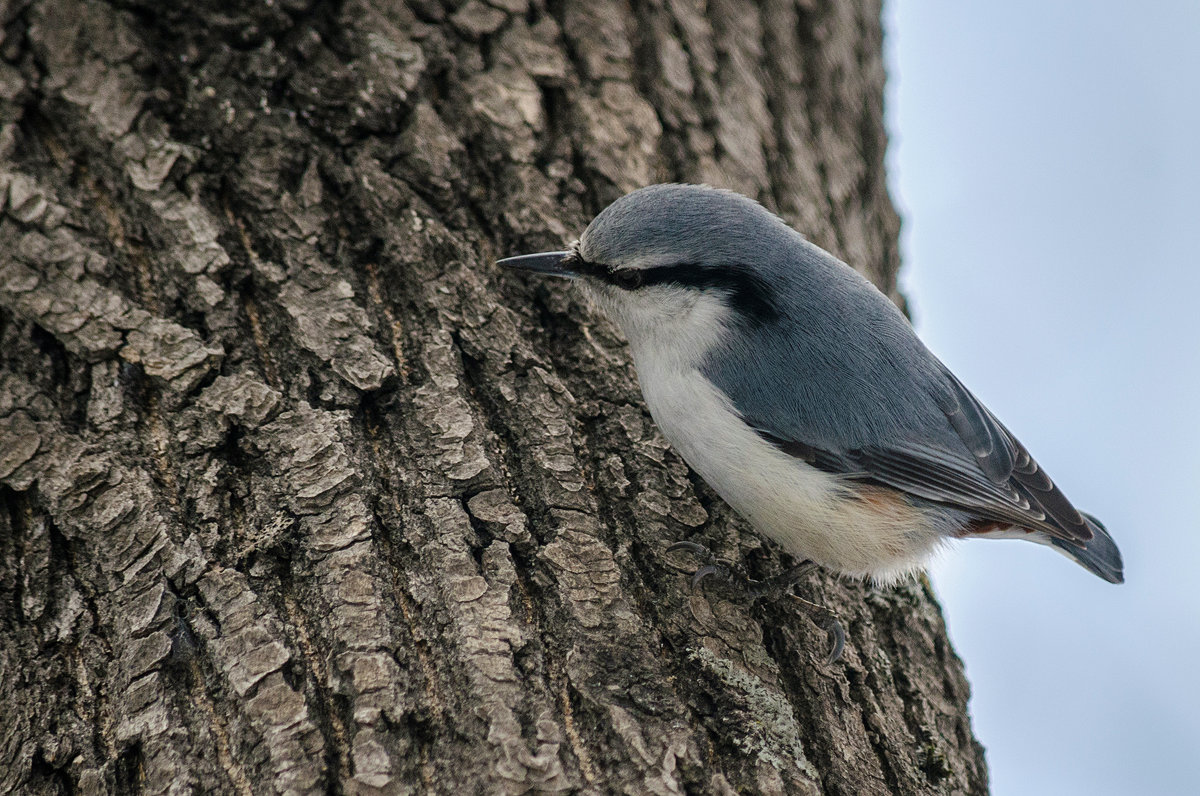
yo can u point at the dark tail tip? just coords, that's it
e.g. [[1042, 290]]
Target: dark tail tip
[[1099, 556]]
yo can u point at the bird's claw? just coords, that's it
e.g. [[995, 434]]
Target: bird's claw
[[713, 567], [705, 571], [837, 640], [691, 547], [826, 620]]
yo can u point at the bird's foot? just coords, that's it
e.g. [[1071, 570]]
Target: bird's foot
[[826, 620], [750, 590], [714, 566], [771, 590]]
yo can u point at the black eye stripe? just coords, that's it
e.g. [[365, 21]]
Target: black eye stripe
[[747, 292], [628, 278], [625, 278]]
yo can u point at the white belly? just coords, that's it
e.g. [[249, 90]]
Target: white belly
[[810, 513]]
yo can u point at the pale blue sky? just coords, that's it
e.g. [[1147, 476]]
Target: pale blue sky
[[1046, 159]]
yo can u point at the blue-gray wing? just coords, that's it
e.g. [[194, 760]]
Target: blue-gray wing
[[839, 377], [1006, 462], [990, 474]]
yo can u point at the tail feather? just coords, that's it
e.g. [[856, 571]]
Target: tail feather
[[1099, 555]]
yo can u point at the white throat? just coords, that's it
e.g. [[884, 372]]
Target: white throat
[[669, 329]]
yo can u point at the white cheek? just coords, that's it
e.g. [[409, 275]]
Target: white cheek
[[663, 321]]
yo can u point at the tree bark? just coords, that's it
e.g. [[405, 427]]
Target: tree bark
[[301, 494]]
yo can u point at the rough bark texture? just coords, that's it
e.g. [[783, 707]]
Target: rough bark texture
[[301, 494]]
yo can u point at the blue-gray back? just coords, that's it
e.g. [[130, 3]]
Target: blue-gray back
[[838, 366]]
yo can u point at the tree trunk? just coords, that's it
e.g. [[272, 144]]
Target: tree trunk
[[302, 494]]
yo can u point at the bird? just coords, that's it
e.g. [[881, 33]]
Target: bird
[[803, 396]]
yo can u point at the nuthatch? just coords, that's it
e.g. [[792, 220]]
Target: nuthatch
[[802, 395]]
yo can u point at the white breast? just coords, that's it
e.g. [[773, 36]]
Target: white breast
[[810, 513]]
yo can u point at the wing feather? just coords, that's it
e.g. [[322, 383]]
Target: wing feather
[[993, 476], [1002, 457]]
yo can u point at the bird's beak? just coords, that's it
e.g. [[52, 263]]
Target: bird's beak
[[552, 263]]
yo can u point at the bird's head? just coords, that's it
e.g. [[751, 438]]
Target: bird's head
[[674, 259]]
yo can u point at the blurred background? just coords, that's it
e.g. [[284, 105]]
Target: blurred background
[[1045, 156]]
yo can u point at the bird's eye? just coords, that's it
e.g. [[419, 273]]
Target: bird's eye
[[627, 278]]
